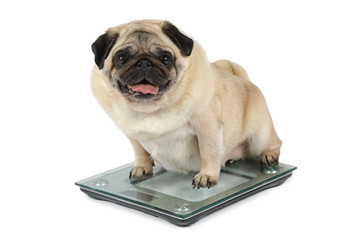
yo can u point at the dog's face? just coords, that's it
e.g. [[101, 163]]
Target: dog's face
[[143, 59]]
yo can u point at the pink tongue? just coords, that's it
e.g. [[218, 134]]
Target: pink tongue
[[145, 88]]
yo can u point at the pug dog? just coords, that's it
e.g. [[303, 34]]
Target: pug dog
[[176, 107]]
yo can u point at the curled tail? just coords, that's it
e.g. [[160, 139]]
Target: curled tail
[[233, 68]]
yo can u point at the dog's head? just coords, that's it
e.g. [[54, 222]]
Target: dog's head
[[142, 59]]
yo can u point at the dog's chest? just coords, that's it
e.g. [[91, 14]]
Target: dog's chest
[[177, 150]]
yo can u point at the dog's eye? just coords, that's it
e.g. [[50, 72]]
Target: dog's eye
[[122, 58], [166, 59]]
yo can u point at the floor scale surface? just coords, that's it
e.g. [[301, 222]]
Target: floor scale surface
[[171, 195]]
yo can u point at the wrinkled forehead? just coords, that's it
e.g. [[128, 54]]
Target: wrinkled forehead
[[143, 38]]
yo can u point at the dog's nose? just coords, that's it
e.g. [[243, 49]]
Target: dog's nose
[[143, 63]]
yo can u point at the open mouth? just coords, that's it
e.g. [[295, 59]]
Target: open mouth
[[143, 89]]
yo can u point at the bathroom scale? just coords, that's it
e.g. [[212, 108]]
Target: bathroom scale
[[171, 196]]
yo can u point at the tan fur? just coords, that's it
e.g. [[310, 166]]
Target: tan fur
[[213, 113]]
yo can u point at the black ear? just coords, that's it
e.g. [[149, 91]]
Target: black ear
[[184, 43], [102, 47]]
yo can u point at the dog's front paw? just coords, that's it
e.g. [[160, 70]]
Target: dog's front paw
[[269, 159], [138, 174], [204, 180]]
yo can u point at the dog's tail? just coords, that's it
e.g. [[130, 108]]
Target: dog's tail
[[233, 68]]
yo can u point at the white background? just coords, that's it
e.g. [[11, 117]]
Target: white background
[[53, 132]]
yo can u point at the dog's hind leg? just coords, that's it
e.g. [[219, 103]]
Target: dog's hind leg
[[265, 145]]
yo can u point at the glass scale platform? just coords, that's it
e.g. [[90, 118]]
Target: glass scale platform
[[171, 195]]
